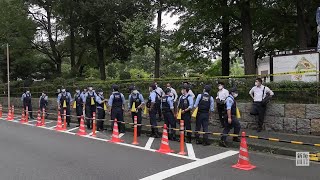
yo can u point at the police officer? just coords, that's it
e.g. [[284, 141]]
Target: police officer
[[185, 104], [221, 105], [151, 105], [117, 102], [205, 104], [43, 102], [79, 100], [26, 99], [232, 121], [160, 94], [168, 113], [137, 98], [90, 105], [174, 95], [100, 108], [64, 102]]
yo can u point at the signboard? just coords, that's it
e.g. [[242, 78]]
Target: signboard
[[296, 63]]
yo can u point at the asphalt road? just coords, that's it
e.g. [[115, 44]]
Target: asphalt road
[[32, 153]]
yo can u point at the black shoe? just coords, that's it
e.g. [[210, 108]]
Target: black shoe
[[188, 140], [236, 139], [150, 135], [89, 127], [223, 144], [206, 143], [68, 125], [198, 141]]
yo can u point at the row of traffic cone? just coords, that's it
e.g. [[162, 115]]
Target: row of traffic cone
[[243, 160]]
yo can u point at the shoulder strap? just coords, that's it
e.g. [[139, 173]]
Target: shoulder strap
[[264, 88]]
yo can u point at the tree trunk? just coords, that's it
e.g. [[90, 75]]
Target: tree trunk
[[101, 61], [158, 43], [225, 44], [249, 62], [58, 69], [72, 44], [301, 25]]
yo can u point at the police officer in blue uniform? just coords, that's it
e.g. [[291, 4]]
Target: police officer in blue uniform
[[232, 121], [117, 102], [100, 108], [137, 98], [152, 108], [43, 102], [168, 113], [26, 99], [90, 105], [65, 97], [79, 100], [205, 105], [185, 104]]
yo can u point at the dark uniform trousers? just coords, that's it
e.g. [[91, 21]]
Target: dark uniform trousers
[[153, 120], [170, 121], [139, 119], [117, 113], [101, 117], [187, 122], [67, 113], [260, 110], [234, 124], [79, 111], [89, 115], [222, 113], [202, 120]]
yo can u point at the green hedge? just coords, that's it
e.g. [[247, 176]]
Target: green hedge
[[285, 92]]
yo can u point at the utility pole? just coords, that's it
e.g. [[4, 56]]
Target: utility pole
[[8, 74]]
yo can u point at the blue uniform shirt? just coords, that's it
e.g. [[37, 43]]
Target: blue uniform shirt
[[110, 102], [190, 99], [134, 97], [153, 96], [229, 102], [84, 96], [99, 100], [170, 101], [24, 95], [68, 96], [198, 101]]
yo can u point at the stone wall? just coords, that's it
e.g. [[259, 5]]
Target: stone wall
[[288, 118]]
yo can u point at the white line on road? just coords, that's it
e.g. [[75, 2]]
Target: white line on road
[[149, 143], [48, 122], [50, 128], [120, 135], [191, 153], [183, 168], [72, 129]]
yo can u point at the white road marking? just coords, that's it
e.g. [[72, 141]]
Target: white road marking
[[149, 143], [120, 135], [186, 167], [191, 153], [32, 121], [48, 122], [50, 128], [72, 129]]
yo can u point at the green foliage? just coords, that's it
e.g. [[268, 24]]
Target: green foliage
[[91, 73], [215, 69], [124, 75]]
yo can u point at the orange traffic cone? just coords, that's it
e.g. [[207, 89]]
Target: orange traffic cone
[[182, 152], [64, 120], [164, 147], [27, 114], [0, 111], [82, 129], [23, 117], [94, 125], [43, 117], [9, 115], [115, 133], [243, 161], [39, 123], [59, 123]]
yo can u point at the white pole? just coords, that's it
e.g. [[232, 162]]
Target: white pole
[[8, 72]]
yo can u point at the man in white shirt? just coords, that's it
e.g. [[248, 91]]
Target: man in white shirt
[[221, 97], [160, 93], [190, 92], [174, 95], [260, 95]]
